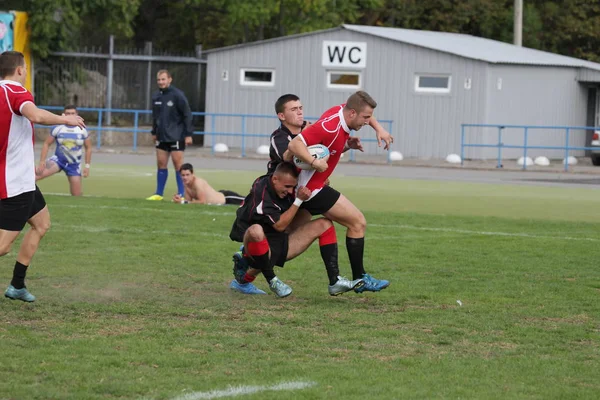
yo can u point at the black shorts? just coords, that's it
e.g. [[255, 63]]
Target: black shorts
[[16, 211], [171, 146], [278, 243], [232, 197], [322, 202]]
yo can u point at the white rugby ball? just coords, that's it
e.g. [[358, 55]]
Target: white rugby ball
[[318, 151]]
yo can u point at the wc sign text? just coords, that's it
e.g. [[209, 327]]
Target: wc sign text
[[344, 54]]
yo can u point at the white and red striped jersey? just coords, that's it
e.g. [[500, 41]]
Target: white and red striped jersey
[[332, 131], [17, 163]]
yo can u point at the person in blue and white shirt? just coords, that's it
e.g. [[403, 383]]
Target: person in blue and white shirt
[[70, 144]]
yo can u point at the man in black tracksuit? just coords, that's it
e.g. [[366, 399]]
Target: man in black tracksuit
[[171, 130]]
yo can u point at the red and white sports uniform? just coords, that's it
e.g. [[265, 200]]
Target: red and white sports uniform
[[17, 163], [331, 131]]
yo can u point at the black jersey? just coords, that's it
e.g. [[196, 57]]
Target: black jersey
[[280, 139], [262, 206]]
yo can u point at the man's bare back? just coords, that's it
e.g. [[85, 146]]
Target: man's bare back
[[201, 192]]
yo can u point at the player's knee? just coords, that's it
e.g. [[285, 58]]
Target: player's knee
[[255, 233], [5, 248], [43, 226], [324, 224], [359, 223]]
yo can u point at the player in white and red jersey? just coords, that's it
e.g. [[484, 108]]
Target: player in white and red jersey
[[333, 130], [21, 201]]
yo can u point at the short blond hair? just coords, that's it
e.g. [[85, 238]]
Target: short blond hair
[[164, 71], [359, 100]]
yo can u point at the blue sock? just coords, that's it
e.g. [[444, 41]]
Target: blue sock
[[180, 188], [161, 181]]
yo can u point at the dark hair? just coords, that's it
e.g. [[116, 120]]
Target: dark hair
[[359, 100], [164, 71], [283, 100], [9, 61], [70, 107], [187, 167], [286, 168]]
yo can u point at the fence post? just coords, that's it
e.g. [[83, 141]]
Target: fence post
[[212, 134], [525, 148], [243, 136], [500, 144], [568, 130], [135, 129], [148, 51], [109, 77], [462, 145], [99, 131]]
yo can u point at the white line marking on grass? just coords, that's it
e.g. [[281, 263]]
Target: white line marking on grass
[[117, 229], [160, 210], [419, 228], [485, 233], [234, 391]]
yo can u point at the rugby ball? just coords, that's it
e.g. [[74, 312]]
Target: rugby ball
[[318, 151]]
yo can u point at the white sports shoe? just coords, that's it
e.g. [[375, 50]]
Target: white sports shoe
[[344, 285], [279, 288]]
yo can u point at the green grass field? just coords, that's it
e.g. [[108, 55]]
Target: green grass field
[[133, 299]]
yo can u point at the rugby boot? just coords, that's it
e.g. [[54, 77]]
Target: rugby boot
[[240, 266], [344, 285], [245, 288], [19, 294], [279, 288], [372, 284]]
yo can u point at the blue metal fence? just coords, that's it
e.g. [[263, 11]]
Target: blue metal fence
[[210, 133], [525, 146]]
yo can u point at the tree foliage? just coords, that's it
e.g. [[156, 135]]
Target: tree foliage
[[567, 27]]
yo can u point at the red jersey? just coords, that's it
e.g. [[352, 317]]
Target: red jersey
[[331, 131], [17, 163]]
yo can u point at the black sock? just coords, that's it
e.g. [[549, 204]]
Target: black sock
[[268, 273], [356, 249], [18, 280], [329, 254]]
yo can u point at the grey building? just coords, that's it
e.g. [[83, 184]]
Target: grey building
[[428, 83]]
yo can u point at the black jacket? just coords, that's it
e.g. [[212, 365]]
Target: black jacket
[[171, 115]]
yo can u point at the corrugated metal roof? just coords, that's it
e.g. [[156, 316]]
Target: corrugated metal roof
[[463, 45], [473, 47]]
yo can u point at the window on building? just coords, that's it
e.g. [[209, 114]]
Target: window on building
[[432, 83], [344, 79], [257, 77]]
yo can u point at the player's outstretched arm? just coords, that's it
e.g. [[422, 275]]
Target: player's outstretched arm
[[381, 133], [43, 117]]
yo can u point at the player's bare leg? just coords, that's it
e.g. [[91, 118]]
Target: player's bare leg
[[51, 169], [40, 223], [177, 159], [302, 237], [7, 238], [75, 185], [345, 213]]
